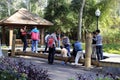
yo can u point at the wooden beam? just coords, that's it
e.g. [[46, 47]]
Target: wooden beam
[[39, 55], [10, 37], [13, 45], [3, 35], [42, 36]]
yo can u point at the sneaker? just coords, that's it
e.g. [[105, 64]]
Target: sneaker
[[36, 52], [63, 63]]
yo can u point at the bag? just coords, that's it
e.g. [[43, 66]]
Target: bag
[[34, 36], [50, 41]]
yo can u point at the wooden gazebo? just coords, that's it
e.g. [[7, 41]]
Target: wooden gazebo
[[22, 18]]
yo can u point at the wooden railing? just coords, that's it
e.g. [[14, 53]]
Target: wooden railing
[[18, 42]]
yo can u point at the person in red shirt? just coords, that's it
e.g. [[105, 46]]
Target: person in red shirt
[[23, 36]]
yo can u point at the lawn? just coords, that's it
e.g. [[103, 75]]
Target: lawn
[[109, 48]]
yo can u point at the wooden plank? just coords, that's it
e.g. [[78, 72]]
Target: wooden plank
[[110, 64], [93, 62], [10, 37], [40, 55]]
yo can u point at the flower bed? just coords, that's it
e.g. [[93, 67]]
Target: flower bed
[[17, 69]]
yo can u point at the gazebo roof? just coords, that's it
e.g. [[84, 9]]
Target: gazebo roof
[[24, 17]]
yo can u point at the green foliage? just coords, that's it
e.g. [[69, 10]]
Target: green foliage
[[65, 15], [104, 79], [71, 79], [111, 48], [59, 13], [6, 75], [111, 35]]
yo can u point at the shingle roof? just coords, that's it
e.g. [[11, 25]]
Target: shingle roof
[[23, 16]]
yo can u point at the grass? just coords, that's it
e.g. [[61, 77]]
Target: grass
[[109, 48]]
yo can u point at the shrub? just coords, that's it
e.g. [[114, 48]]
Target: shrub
[[17, 69]]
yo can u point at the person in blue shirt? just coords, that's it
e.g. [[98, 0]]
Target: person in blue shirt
[[35, 36], [78, 49]]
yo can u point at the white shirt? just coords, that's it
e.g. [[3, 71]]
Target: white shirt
[[64, 52], [46, 37]]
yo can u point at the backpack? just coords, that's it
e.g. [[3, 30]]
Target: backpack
[[35, 36], [51, 41]]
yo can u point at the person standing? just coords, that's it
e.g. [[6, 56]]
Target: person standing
[[46, 45], [52, 45], [78, 49], [1, 54], [93, 45], [66, 43], [58, 38], [35, 36], [99, 45], [54, 36], [23, 36]]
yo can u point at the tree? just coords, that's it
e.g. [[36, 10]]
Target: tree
[[80, 20], [57, 12]]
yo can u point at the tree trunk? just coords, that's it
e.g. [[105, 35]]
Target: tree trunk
[[80, 20], [88, 50]]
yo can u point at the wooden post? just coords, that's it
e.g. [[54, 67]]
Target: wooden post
[[13, 45], [88, 50], [3, 35], [42, 36], [10, 37]]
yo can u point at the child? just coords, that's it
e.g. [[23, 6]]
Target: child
[[64, 51]]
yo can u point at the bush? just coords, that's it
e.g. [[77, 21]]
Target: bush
[[17, 69]]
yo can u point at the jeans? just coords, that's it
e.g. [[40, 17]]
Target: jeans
[[24, 40], [74, 53], [79, 54], [59, 43], [34, 46], [94, 55], [99, 52], [51, 55], [68, 48]]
